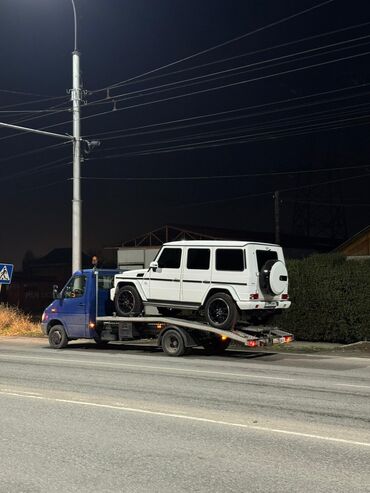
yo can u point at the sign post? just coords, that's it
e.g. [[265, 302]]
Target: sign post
[[6, 273]]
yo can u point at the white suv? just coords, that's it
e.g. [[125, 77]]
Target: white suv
[[224, 282]]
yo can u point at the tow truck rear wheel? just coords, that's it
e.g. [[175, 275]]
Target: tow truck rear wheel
[[57, 337], [173, 343], [127, 302]]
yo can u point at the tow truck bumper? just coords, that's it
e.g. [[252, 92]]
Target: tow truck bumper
[[44, 328]]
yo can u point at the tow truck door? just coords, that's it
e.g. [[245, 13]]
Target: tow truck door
[[73, 306]]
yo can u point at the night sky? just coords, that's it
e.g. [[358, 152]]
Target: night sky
[[302, 119]]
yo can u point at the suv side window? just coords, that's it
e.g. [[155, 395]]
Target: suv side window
[[230, 259], [263, 256], [170, 258], [75, 287], [198, 258]]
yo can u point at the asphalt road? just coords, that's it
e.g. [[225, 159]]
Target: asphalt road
[[133, 420]]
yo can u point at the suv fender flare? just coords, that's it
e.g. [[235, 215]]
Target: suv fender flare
[[220, 289], [130, 282]]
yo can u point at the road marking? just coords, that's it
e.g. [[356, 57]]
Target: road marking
[[350, 385], [188, 418], [141, 367]]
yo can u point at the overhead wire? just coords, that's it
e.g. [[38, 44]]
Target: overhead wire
[[250, 53], [335, 124], [291, 118], [206, 78], [237, 110], [271, 192], [226, 177], [33, 151], [220, 45]]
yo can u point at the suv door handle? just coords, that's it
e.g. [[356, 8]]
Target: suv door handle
[[81, 304]]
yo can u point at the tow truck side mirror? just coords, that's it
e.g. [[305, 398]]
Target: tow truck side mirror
[[153, 266], [56, 292]]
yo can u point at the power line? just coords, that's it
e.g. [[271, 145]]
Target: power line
[[32, 102], [201, 79], [241, 139], [272, 124], [271, 192], [237, 110], [220, 45], [33, 151], [222, 60], [22, 93], [226, 177], [234, 84], [57, 163]]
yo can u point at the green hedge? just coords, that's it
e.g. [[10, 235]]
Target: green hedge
[[330, 299]]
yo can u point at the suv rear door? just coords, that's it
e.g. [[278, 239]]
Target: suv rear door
[[230, 268]]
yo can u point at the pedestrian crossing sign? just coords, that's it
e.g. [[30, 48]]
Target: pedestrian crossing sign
[[6, 272]]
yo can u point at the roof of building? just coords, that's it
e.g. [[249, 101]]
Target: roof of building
[[171, 232], [353, 238]]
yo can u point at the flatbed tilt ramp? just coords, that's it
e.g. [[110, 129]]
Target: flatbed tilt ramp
[[176, 335]]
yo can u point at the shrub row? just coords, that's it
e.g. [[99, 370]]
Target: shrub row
[[330, 299]]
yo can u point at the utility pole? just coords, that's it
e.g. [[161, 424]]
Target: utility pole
[[76, 200], [277, 216], [76, 96]]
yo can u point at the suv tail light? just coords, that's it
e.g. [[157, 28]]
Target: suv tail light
[[285, 296], [254, 296]]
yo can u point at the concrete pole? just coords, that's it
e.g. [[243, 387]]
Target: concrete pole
[[76, 202], [277, 216]]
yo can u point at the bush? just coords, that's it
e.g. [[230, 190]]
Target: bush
[[14, 322], [330, 299]]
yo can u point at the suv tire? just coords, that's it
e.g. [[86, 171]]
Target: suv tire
[[221, 312], [127, 302]]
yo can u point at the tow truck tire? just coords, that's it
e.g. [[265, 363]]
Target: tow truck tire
[[100, 342], [57, 337], [216, 345], [128, 302], [221, 312], [173, 343]]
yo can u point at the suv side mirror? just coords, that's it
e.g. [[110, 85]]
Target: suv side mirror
[[56, 292], [153, 266]]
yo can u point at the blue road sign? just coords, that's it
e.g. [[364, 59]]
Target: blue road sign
[[6, 272]]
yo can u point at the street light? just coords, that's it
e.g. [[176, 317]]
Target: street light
[[76, 96]]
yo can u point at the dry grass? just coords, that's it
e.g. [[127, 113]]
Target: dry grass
[[14, 322]]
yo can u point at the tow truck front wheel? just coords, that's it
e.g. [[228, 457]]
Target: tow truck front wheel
[[57, 337], [128, 302]]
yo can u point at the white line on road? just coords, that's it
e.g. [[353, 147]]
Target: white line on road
[[351, 385], [143, 367], [189, 418]]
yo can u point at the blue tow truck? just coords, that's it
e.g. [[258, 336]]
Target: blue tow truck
[[83, 310]]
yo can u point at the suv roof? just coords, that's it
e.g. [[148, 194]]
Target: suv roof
[[212, 243]]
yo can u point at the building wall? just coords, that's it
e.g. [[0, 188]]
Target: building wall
[[136, 258]]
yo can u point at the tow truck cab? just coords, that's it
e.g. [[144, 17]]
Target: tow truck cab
[[76, 306]]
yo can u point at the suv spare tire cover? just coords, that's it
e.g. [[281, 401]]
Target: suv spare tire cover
[[274, 277]]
